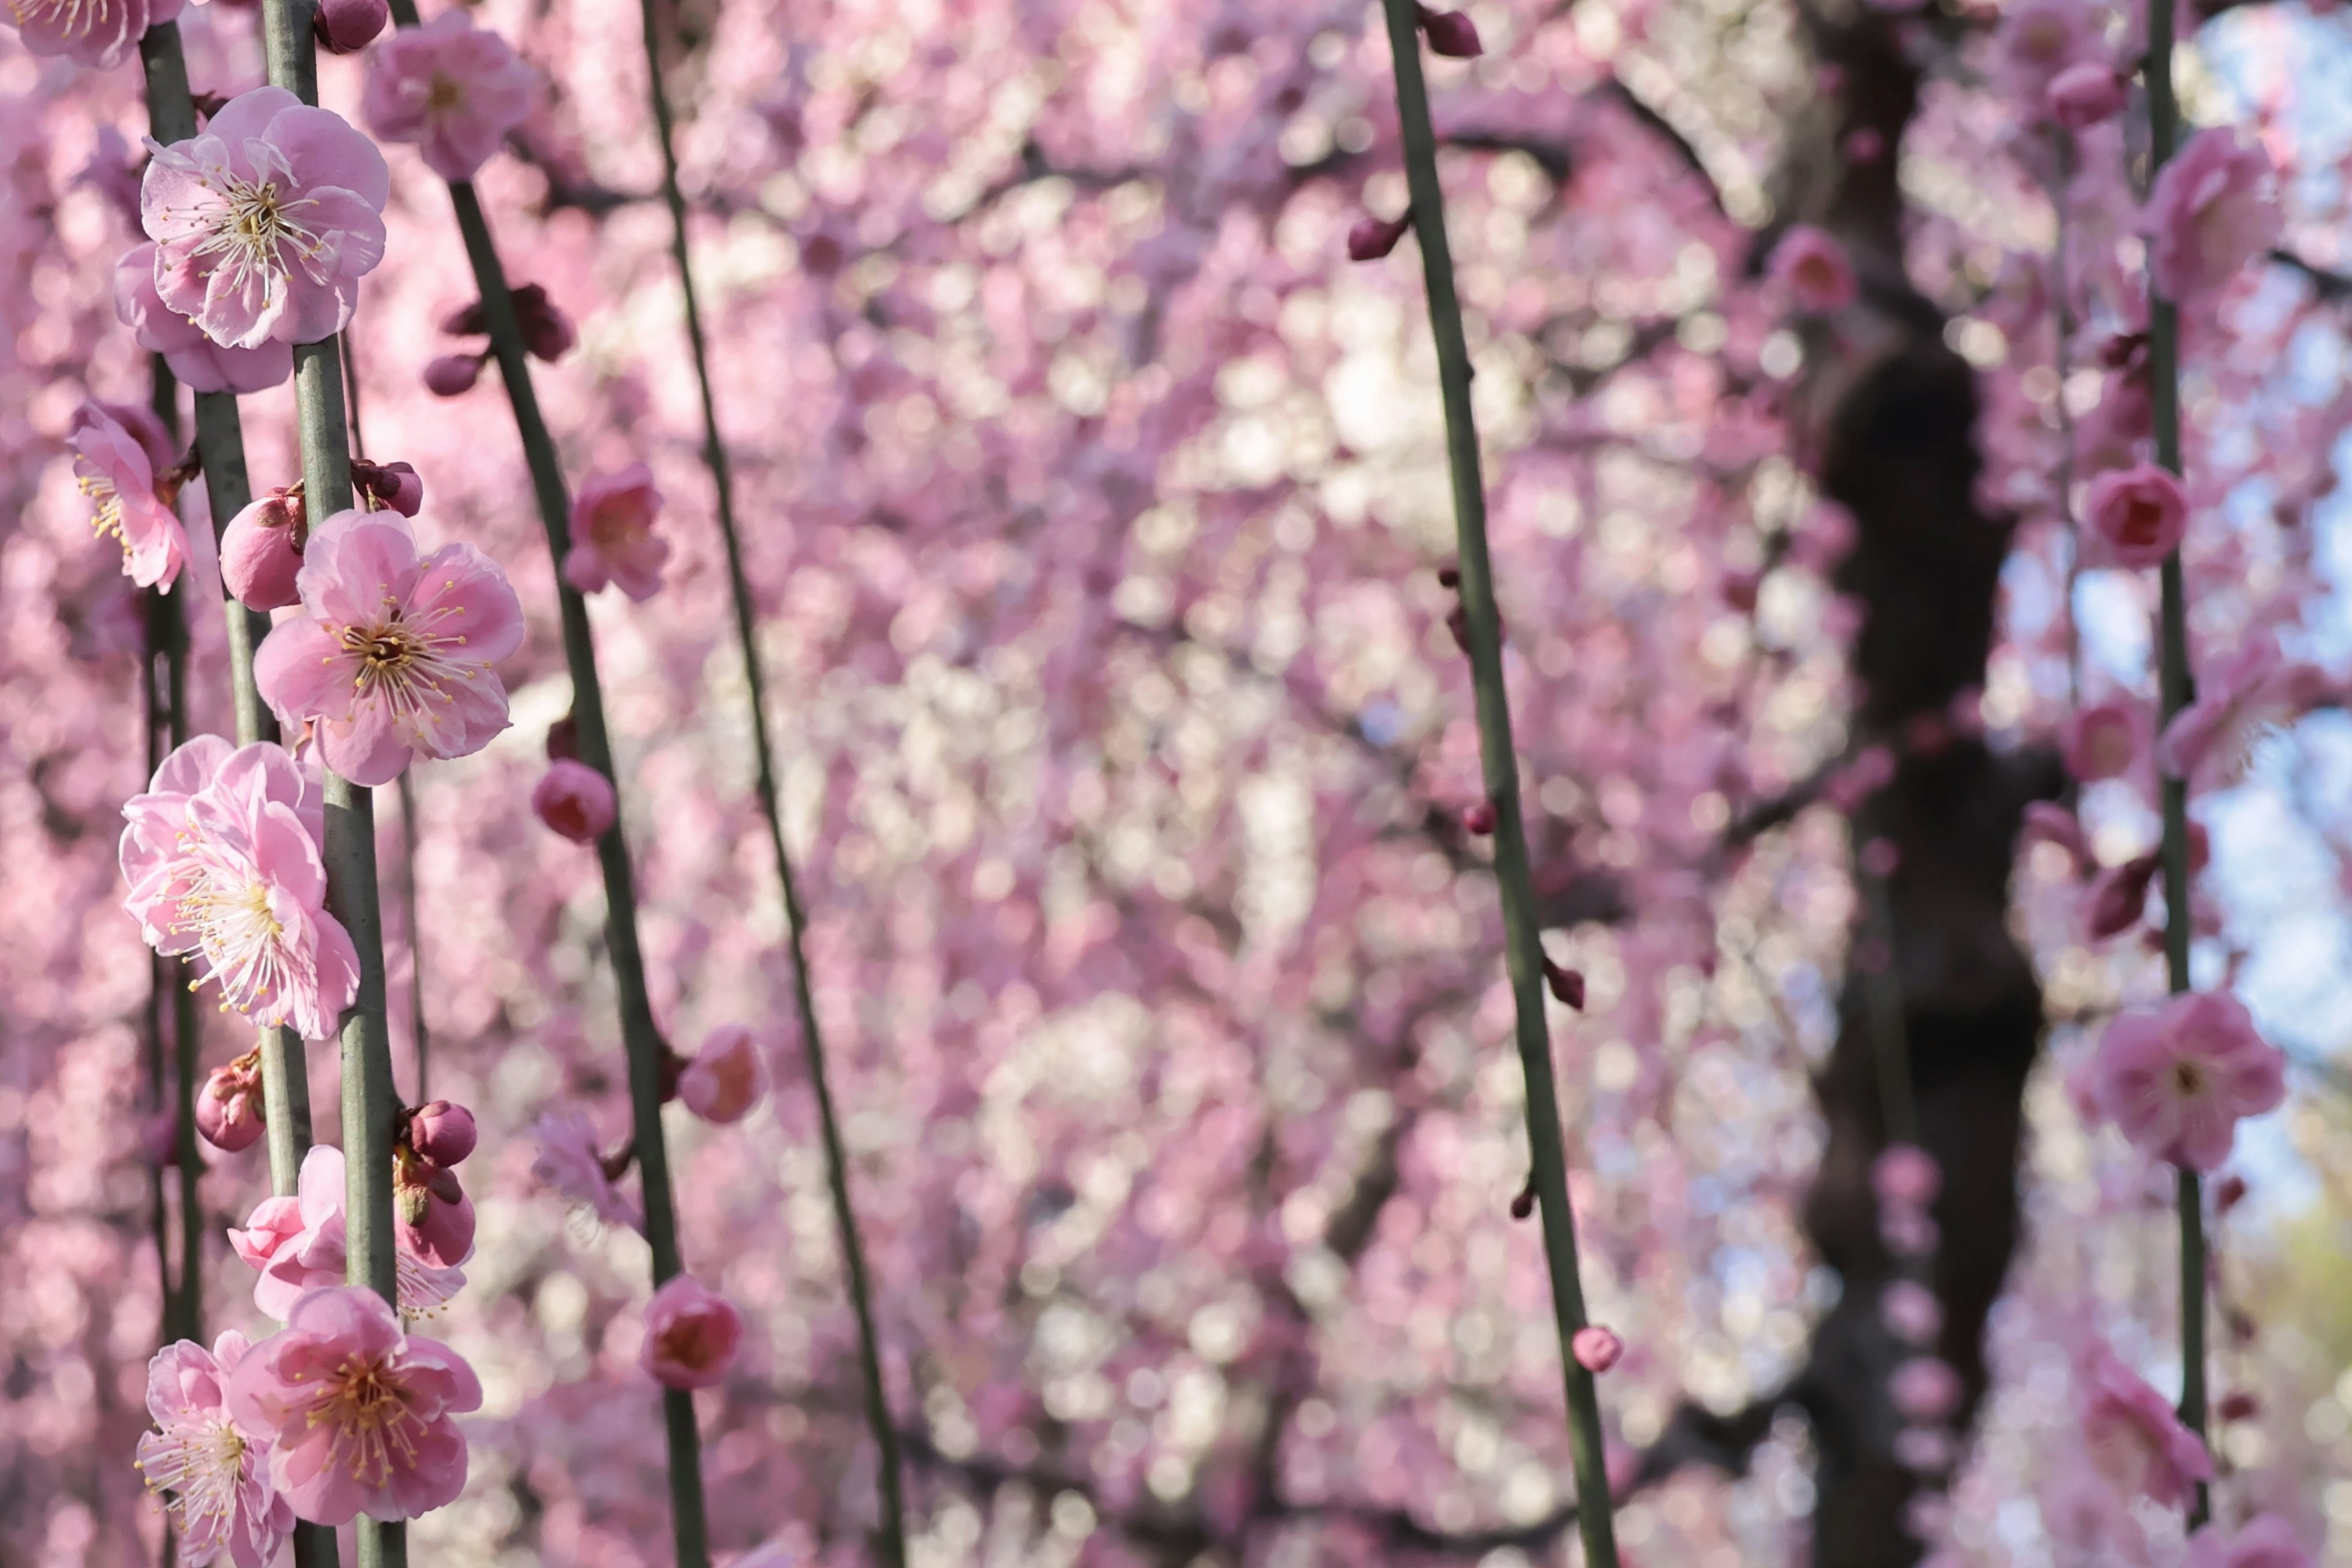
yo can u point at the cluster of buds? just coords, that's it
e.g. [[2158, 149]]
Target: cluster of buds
[[228, 1107], [436, 1218], [546, 333], [261, 549]]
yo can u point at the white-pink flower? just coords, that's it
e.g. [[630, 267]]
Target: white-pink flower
[[393, 655], [612, 538], [222, 858], [453, 89], [360, 1413], [196, 359], [266, 221], [691, 1335], [2210, 212], [569, 1162], [101, 33], [2101, 741], [2178, 1077], [2135, 1439], [118, 451], [1812, 266], [213, 1472], [300, 1243], [2241, 701]]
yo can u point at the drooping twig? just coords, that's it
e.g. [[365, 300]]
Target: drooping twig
[[640, 1037], [892, 1523], [1523, 952], [2174, 694]]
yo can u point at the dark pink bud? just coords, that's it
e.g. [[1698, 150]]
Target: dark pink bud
[[347, 26], [547, 332], [1596, 1349], [446, 1235], [228, 1108], [2085, 94], [261, 551], [1479, 820], [2229, 1194], [1567, 985], [575, 800], [2119, 896], [1906, 1176], [442, 1133], [2237, 1407], [451, 375], [1523, 1204], [1372, 238], [466, 322], [394, 485], [1450, 34]]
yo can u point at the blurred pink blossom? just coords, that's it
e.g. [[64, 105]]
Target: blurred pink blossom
[[1813, 266], [450, 89], [101, 33], [2211, 213], [727, 1076], [2103, 741], [212, 1471], [2086, 93], [691, 1335], [2265, 1542], [1906, 1175], [612, 538], [1911, 1312], [2138, 514], [1924, 1390], [570, 1163], [2135, 1439], [575, 801], [2178, 1077], [2241, 700]]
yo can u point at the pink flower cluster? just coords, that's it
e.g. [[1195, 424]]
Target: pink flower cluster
[[300, 1244]]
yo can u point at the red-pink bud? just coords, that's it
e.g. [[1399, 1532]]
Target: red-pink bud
[[442, 1133], [228, 1108], [1450, 34], [395, 485], [1478, 820], [261, 551], [347, 26], [547, 332], [2083, 95], [575, 800], [1372, 238], [1906, 1176], [451, 375], [726, 1079], [1925, 1389], [466, 322], [2119, 896], [1596, 1349], [1567, 985]]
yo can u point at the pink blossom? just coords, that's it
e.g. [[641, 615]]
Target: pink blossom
[[213, 1469], [228, 1106], [435, 1217], [1927, 1449], [2178, 1077], [116, 470], [442, 1133], [691, 1335], [613, 539], [450, 89], [1906, 1175], [1911, 1312], [261, 551], [194, 358], [392, 654], [394, 485], [300, 1244], [222, 857], [1813, 266], [453, 376], [2103, 741], [362, 1414], [2266, 1541], [570, 1163], [2244, 699], [1924, 1390], [1451, 34], [727, 1076], [575, 801], [99, 33], [2135, 1439], [2138, 513], [1373, 237], [2208, 214], [2038, 40], [1596, 1349], [266, 221], [347, 26], [2118, 897], [2085, 94], [2047, 821]]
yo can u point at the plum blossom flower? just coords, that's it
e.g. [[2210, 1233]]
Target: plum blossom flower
[[213, 1470], [1813, 266], [442, 1132], [2249, 696], [2208, 214], [99, 33], [2038, 40], [194, 358], [691, 1335], [265, 221], [222, 858], [300, 1243], [726, 1079], [2085, 94], [1925, 1389], [2133, 1439], [392, 654], [2267, 1542], [2178, 1077], [575, 801], [613, 539], [1910, 1310], [2101, 741], [1906, 1175], [435, 1217], [117, 452], [360, 1413], [569, 1162], [452, 89], [2138, 513]]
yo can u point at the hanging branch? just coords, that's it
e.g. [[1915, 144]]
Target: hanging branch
[[640, 1037], [2175, 694], [1523, 950], [714, 453], [370, 1109]]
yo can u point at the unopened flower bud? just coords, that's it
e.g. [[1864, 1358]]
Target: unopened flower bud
[[1906, 1176], [2229, 1193], [2119, 896], [347, 26], [442, 1133], [575, 800], [228, 1106], [726, 1079], [261, 551], [2239, 1406], [1372, 238], [1596, 1349], [1450, 34], [1478, 820], [547, 332], [1567, 985], [2086, 93], [453, 376], [466, 322], [394, 485]]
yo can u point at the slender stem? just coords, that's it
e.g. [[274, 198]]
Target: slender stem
[[893, 1527], [1522, 947], [422, 1035], [162, 978], [2175, 693]]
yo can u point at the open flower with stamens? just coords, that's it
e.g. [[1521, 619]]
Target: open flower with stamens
[[452, 89], [300, 1243], [101, 33], [265, 223], [213, 1472], [393, 653], [360, 1415], [194, 358], [117, 456], [2177, 1079]]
